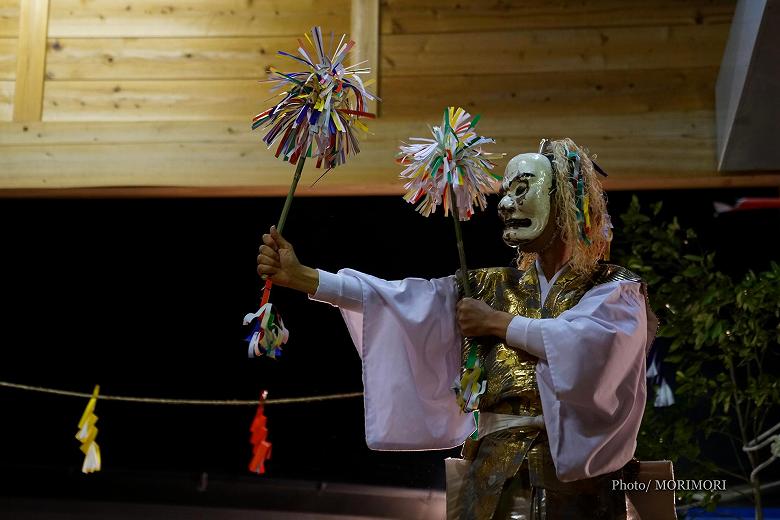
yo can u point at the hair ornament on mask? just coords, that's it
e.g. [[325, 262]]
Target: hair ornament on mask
[[580, 198], [578, 194]]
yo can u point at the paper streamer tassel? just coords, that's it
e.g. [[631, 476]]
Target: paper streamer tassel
[[469, 387], [87, 433], [321, 105], [261, 448], [453, 157], [268, 332]]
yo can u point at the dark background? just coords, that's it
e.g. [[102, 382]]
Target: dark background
[[146, 298]]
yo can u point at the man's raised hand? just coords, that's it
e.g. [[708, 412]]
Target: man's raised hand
[[277, 260]]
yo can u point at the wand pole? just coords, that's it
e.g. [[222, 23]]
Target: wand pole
[[288, 200], [283, 219], [464, 273]]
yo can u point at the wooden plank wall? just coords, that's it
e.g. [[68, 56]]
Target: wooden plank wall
[[142, 93], [9, 34], [634, 81]]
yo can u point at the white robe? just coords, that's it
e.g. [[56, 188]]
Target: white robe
[[590, 374]]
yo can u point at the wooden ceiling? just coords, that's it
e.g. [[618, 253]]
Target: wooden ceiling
[[145, 98]]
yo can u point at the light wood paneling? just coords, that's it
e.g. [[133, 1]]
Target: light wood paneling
[[9, 18], [66, 133], [437, 16], [542, 95], [167, 58], [226, 159], [195, 18], [689, 129], [226, 164], [6, 100], [553, 50], [155, 100], [147, 164], [526, 95], [8, 50], [364, 18], [157, 96], [31, 60], [227, 154]]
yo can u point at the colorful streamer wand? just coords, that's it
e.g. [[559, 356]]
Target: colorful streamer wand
[[452, 170], [261, 448], [320, 109], [87, 433]]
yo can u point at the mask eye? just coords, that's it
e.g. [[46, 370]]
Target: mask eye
[[522, 188]]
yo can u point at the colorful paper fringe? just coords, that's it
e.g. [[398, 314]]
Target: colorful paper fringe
[[581, 198], [261, 448], [317, 116], [87, 433], [470, 386], [268, 332], [453, 157]]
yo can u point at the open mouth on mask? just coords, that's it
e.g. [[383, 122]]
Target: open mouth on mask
[[517, 223]]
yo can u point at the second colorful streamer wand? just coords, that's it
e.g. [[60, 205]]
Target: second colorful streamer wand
[[317, 117], [452, 170]]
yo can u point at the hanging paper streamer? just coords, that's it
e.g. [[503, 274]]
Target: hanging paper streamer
[[87, 433], [268, 333], [470, 386], [582, 202], [453, 158], [452, 170], [261, 448], [321, 107]]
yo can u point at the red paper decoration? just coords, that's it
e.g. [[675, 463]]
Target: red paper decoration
[[261, 448]]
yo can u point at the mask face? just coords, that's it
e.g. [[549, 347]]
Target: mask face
[[525, 205]]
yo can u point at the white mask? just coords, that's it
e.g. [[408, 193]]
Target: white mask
[[525, 206]]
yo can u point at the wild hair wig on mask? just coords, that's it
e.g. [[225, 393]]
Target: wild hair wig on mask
[[584, 255]]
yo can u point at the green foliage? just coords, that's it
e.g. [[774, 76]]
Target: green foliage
[[724, 336]]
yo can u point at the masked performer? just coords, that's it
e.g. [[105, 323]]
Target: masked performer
[[561, 342]]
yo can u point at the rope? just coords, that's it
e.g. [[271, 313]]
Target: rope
[[163, 400]]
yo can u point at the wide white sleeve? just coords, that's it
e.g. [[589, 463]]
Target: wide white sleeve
[[592, 379], [407, 337]]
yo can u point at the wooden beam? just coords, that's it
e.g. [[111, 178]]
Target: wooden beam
[[223, 154], [550, 50], [195, 18], [771, 180], [688, 129], [31, 60], [364, 21], [167, 58], [523, 96], [166, 100], [458, 16], [550, 94]]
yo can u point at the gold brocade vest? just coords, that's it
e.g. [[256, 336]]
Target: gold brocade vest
[[511, 373]]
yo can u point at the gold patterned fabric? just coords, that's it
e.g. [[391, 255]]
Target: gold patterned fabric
[[512, 474]]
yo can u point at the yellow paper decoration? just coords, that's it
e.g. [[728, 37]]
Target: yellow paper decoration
[[87, 433]]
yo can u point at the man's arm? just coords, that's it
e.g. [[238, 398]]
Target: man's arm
[[406, 335], [277, 260]]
